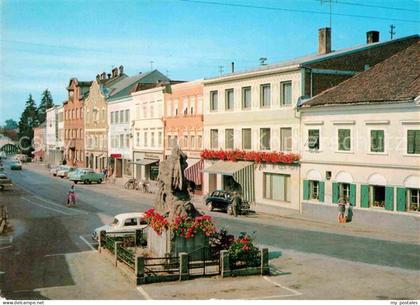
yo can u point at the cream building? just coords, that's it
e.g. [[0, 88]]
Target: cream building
[[54, 135], [361, 141], [147, 132], [256, 110]]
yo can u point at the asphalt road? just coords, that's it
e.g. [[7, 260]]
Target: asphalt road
[[45, 231]]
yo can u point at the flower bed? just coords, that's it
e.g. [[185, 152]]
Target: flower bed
[[156, 221], [255, 156], [188, 227], [243, 253]]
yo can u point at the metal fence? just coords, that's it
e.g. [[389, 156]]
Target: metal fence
[[254, 261], [158, 266], [203, 261]]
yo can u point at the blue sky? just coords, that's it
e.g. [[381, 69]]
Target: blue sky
[[44, 43]]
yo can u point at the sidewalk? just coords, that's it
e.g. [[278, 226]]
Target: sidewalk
[[285, 217]]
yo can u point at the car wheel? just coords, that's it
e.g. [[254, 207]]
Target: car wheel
[[75, 181], [210, 206], [1, 187], [85, 182], [99, 181], [61, 177]]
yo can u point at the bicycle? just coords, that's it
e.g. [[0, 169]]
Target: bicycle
[[131, 184]]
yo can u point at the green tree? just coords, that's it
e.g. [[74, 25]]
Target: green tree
[[46, 103], [10, 124], [28, 120]]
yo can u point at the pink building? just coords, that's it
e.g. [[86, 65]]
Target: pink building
[[39, 142], [183, 125]]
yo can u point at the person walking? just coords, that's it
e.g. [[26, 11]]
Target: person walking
[[71, 197], [236, 204], [342, 202]]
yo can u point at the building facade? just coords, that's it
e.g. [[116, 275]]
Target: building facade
[[73, 122], [361, 141], [54, 151], [256, 111], [183, 126], [40, 139]]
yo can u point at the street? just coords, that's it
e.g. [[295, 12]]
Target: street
[[49, 253]]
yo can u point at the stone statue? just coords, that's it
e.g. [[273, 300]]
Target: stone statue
[[173, 196]]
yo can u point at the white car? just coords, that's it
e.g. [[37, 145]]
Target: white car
[[123, 224], [64, 171], [55, 169]]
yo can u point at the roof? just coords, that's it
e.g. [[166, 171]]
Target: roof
[[311, 58], [124, 87], [395, 79]]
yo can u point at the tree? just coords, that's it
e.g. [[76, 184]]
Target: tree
[[28, 120], [10, 124], [46, 103]]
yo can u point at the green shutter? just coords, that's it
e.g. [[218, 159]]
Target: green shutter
[[364, 196], [352, 198], [389, 198], [305, 189], [321, 191], [401, 199], [335, 192]]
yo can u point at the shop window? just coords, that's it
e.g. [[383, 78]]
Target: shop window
[[277, 187], [414, 203], [377, 196], [154, 171]]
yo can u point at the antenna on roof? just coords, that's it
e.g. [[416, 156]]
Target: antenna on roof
[[151, 65], [262, 61], [391, 31], [330, 3], [220, 70]]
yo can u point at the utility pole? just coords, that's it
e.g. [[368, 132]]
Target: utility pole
[[391, 31], [220, 70]]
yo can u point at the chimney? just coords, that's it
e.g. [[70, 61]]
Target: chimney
[[98, 77], [103, 75], [109, 75], [324, 40], [121, 68], [114, 72], [372, 37], [233, 67]]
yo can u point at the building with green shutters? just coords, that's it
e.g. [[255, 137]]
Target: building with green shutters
[[361, 140]]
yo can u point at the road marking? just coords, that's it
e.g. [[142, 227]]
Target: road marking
[[87, 243], [45, 207], [68, 253], [58, 205], [5, 247], [295, 293], [144, 293]]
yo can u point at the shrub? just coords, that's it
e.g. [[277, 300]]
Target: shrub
[[243, 252]]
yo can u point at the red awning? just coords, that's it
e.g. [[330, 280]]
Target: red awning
[[195, 172]]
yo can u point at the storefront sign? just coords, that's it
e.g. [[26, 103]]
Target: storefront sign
[[116, 156]]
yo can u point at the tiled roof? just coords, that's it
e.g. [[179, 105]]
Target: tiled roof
[[394, 79]]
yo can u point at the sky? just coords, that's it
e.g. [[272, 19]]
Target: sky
[[44, 43]]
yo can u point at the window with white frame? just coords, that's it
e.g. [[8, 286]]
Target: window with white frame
[[313, 189], [121, 116], [116, 117], [200, 104], [414, 199], [152, 139], [121, 141], [213, 100], [286, 93], [229, 99], [192, 142], [285, 139], [229, 138], [127, 115], [246, 138], [185, 106], [265, 95], [145, 139], [192, 105], [199, 141], [313, 139], [159, 138], [413, 141], [277, 187], [152, 109], [138, 139], [344, 139], [214, 138], [265, 138], [377, 140], [246, 98]]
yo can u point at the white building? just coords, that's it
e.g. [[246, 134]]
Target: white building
[[361, 141], [256, 111], [54, 140], [148, 132]]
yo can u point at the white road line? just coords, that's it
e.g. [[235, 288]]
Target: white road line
[[295, 293], [144, 293], [63, 254], [5, 247], [87, 243], [45, 207], [58, 205]]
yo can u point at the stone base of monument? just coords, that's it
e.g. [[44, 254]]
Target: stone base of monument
[[166, 244]]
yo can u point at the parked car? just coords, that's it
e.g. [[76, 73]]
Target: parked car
[[5, 182], [86, 175], [65, 170], [23, 158], [123, 224], [16, 165], [55, 169], [219, 200]]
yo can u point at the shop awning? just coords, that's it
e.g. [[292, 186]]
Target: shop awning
[[145, 161], [241, 171], [195, 172]]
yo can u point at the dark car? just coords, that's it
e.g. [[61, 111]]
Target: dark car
[[219, 200]]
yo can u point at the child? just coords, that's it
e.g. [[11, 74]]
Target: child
[[341, 210], [71, 198]]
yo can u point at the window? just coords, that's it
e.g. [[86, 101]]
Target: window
[[175, 107], [116, 117], [229, 101], [152, 110], [138, 139], [192, 105], [313, 190], [152, 139], [414, 203], [200, 105], [377, 141], [265, 138], [192, 142], [127, 140], [413, 141], [199, 141], [175, 140], [344, 191], [286, 139], [121, 141], [265, 96], [185, 141], [313, 139], [286, 93], [127, 115], [377, 196], [213, 100], [229, 139], [246, 138], [246, 98], [159, 139], [145, 139], [185, 106], [169, 141], [344, 141], [169, 108], [214, 138], [277, 187], [121, 116]]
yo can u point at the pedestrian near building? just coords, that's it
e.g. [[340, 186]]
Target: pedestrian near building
[[342, 202], [236, 204]]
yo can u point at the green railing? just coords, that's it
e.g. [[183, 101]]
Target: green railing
[[126, 255]]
